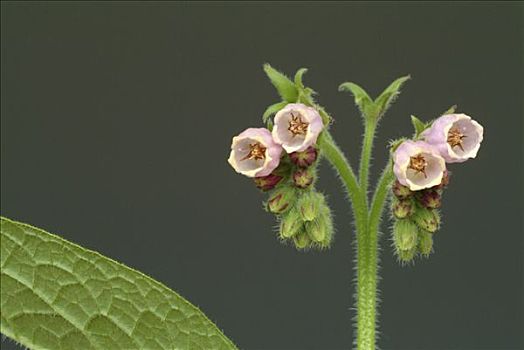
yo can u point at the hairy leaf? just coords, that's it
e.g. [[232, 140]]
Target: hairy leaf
[[418, 125], [285, 87], [389, 94], [362, 99], [58, 295], [273, 109]]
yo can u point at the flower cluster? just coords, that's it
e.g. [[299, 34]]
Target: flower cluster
[[283, 162], [420, 169]]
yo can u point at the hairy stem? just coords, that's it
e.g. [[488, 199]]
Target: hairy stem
[[335, 156], [380, 196], [365, 158], [367, 259]]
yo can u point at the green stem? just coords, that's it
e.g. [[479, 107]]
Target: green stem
[[379, 198], [366, 244], [335, 156], [365, 158]]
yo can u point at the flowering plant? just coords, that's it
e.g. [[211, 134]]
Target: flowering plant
[[282, 159]]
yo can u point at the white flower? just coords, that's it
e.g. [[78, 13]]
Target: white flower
[[456, 136], [254, 153], [297, 127], [418, 165]]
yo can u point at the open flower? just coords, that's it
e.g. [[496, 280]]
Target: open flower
[[297, 127], [418, 165], [456, 136], [254, 153]]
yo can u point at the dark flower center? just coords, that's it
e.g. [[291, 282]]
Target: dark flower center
[[256, 151], [418, 163], [297, 126], [455, 138]]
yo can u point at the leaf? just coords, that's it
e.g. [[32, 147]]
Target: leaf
[[387, 97], [274, 108], [285, 87], [418, 125], [298, 77], [58, 295], [362, 99]]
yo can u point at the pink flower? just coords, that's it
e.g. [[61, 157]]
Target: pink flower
[[297, 127], [456, 136], [254, 153], [418, 165]]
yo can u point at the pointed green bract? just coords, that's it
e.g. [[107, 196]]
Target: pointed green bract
[[271, 110], [362, 99], [418, 125], [298, 77], [58, 295], [387, 97], [285, 87]]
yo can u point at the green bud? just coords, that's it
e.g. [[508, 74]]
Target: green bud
[[405, 235], [425, 243], [316, 230], [290, 224], [402, 208], [303, 178], [281, 200], [309, 204], [301, 240], [320, 230], [427, 219], [407, 255]]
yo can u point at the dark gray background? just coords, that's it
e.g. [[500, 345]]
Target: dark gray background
[[116, 125]]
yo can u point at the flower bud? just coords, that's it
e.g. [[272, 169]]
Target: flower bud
[[309, 204], [320, 230], [425, 243], [430, 199], [403, 208], [290, 224], [400, 191], [301, 240], [405, 235], [303, 178], [266, 183], [305, 158], [281, 200], [427, 219], [406, 256]]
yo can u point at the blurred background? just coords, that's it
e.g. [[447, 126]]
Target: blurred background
[[117, 120]]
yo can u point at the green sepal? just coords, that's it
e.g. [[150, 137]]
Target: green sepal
[[450, 110], [406, 256], [405, 234], [425, 243], [387, 97], [285, 87], [427, 219], [393, 144], [301, 240], [271, 110], [290, 224]]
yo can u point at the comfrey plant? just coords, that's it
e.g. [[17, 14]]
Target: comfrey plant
[[282, 159]]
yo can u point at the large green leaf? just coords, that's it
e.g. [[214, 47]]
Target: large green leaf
[[58, 295]]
